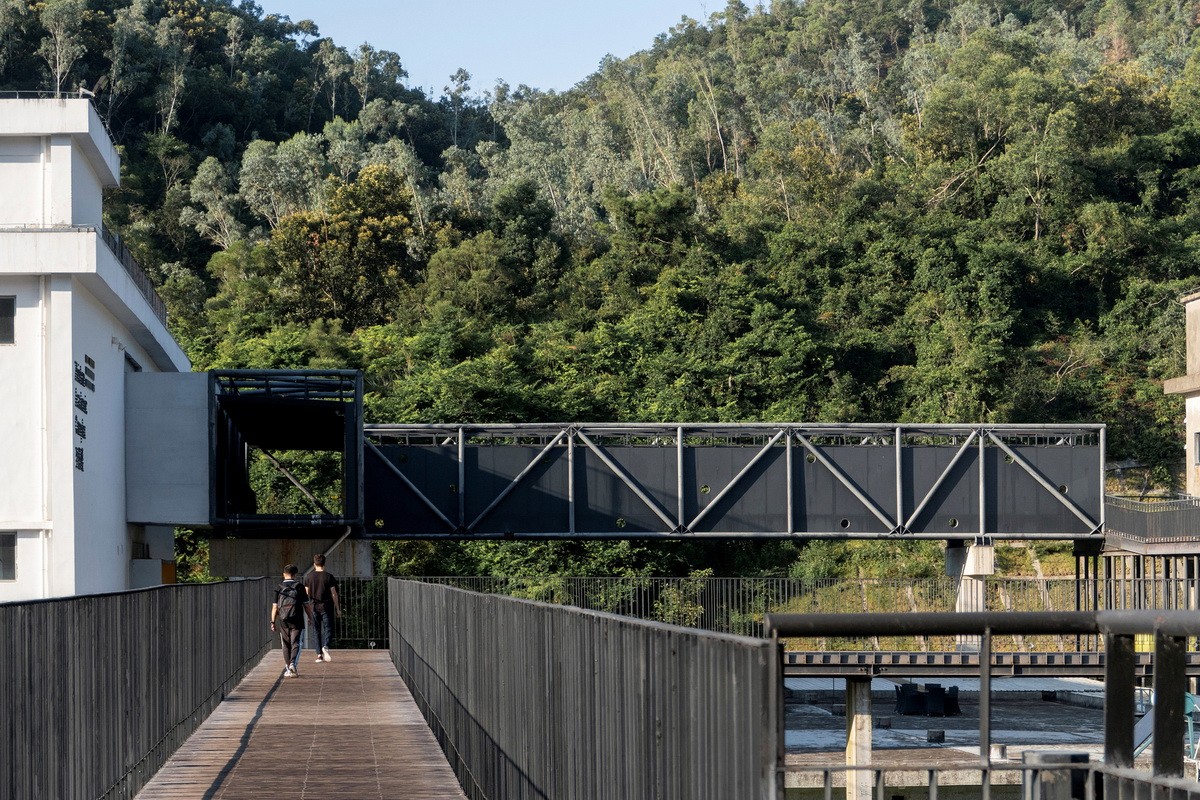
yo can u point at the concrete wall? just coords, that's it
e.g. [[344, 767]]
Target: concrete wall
[[86, 191], [102, 539], [1192, 428], [167, 448], [24, 399], [21, 175]]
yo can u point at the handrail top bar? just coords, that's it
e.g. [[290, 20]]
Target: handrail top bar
[[1003, 623], [174, 587], [873, 428]]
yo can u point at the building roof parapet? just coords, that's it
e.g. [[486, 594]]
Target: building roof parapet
[[40, 113]]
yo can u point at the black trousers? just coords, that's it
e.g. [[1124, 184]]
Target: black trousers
[[289, 639]]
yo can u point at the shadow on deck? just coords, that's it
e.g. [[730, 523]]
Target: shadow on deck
[[344, 729]]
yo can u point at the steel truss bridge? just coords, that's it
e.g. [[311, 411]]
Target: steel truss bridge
[[746, 480], [645, 480]]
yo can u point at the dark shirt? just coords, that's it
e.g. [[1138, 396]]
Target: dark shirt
[[319, 585], [302, 599]]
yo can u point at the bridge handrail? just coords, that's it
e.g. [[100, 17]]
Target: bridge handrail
[[103, 688], [568, 700]]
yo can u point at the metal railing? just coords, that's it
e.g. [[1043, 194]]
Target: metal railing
[[364, 622], [530, 700], [100, 690], [739, 605], [134, 270], [120, 252], [1030, 781], [1170, 630], [1152, 521]]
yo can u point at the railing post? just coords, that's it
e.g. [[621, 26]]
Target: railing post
[[985, 699], [1170, 684], [1118, 700]]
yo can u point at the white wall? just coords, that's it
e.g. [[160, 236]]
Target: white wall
[[74, 301], [21, 409], [29, 578], [102, 542], [86, 192], [21, 176]]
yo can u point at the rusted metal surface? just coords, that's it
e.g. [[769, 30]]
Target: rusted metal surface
[[343, 729]]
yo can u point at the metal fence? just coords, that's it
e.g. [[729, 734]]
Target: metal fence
[[530, 700], [738, 605], [1115, 779], [364, 622], [100, 690], [1154, 521]]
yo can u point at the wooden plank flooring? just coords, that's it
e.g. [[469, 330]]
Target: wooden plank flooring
[[343, 729]]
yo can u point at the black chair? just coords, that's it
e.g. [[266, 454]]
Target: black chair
[[912, 702], [935, 700], [952, 707]]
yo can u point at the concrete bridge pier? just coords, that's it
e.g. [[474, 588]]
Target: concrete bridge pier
[[971, 563], [859, 727]]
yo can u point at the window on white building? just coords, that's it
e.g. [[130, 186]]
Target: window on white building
[[8, 319], [8, 556]]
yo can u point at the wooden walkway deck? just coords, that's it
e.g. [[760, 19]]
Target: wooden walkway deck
[[343, 729]]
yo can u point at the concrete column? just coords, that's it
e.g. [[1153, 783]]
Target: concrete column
[[859, 728], [58, 202], [1060, 776], [970, 564]]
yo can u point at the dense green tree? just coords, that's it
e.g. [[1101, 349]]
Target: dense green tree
[[831, 211]]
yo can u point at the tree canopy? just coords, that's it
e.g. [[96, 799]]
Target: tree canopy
[[810, 211]]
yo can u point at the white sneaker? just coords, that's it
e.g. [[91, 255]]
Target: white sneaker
[[325, 652], [290, 673], [319, 659]]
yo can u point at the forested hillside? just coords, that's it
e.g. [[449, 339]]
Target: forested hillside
[[821, 211]]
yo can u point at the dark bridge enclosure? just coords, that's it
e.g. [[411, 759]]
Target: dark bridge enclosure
[[273, 412], [751, 480]]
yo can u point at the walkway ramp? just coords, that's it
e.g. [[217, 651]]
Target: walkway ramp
[[344, 729]]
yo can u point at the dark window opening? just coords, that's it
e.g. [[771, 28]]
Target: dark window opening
[[8, 320], [8, 556]]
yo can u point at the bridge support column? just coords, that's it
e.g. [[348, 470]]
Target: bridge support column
[[970, 564], [859, 728]]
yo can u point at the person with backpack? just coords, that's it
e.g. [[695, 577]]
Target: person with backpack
[[322, 588], [287, 617]]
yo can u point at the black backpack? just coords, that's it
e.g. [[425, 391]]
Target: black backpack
[[290, 609]]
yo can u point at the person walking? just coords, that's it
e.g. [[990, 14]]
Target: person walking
[[288, 611], [322, 587]]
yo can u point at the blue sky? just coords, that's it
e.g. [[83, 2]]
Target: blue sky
[[541, 43]]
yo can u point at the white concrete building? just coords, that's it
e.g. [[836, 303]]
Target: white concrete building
[[1189, 386], [76, 314]]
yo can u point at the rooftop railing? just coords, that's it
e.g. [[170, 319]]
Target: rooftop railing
[[49, 94]]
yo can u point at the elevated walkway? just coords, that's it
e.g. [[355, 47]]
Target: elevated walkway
[[344, 729]]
